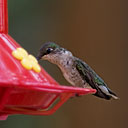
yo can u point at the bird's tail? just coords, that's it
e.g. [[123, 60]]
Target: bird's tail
[[106, 93], [112, 94]]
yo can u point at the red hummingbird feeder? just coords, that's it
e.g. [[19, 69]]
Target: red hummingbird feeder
[[25, 89]]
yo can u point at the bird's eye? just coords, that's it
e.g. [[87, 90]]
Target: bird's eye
[[49, 50]]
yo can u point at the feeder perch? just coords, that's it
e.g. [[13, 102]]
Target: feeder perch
[[27, 88]]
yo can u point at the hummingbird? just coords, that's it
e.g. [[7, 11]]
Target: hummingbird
[[76, 72]]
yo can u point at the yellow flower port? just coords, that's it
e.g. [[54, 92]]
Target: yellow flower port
[[28, 61]]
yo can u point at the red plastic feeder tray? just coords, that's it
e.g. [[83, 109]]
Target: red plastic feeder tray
[[25, 91]]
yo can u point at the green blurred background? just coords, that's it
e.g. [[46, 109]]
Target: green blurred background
[[95, 31]]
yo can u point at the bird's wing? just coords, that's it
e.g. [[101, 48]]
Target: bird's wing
[[94, 80], [91, 78], [88, 74]]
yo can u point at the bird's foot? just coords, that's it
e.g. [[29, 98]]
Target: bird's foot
[[76, 95]]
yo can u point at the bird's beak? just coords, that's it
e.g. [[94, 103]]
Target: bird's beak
[[38, 57]]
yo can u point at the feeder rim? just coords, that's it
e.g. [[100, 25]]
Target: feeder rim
[[50, 87]]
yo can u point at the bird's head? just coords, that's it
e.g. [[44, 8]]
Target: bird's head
[[52, 52]]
